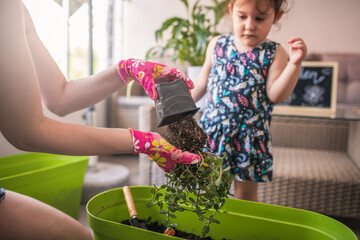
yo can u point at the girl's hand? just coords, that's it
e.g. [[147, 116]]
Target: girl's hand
[[149, 73], [159, 150], [297, 50]]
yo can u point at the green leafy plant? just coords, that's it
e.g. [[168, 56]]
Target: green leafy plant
[[197, 188], [189, 36]]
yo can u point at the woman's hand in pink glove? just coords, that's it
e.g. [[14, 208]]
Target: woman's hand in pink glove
[[159, 150], [148, 74]]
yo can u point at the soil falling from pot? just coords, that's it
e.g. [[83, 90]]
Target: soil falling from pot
[[186, 134]]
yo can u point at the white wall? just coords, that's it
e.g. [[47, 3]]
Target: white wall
[[327, 25], [141, 19]]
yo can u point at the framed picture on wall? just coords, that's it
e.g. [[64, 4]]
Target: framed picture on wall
[[315, 92]]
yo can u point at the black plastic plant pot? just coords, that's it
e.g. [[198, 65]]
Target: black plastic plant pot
[[174, 102]]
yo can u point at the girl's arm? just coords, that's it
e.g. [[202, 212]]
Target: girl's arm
[[59, 95], [283, 76], [201, 81]]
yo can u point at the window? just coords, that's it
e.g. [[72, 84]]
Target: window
[[63, 26]]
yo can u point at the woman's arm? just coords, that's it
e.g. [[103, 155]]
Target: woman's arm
[[21, 117], [59, 95], [283, 75]]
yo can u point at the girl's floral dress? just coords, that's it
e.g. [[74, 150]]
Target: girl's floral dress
[[238, 112]]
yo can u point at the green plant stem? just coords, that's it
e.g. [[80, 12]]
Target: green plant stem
[[204, 181]]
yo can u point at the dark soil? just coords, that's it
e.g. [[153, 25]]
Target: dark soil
[[156, 227], [185, 134]]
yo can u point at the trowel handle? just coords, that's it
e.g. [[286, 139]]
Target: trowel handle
[[129, 201]]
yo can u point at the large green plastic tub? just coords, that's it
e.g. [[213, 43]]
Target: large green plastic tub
[[53, 179], [239, 220]]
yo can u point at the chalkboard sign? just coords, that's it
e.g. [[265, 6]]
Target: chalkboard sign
[[315, 92]]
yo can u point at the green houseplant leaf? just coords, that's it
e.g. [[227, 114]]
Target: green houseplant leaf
[[189, 37]]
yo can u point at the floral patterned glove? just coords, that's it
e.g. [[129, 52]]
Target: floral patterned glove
[[159, 150], [148, 74]]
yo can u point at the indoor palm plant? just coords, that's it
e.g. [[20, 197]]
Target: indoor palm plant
[[189, 36]]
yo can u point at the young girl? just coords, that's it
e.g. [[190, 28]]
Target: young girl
[[244, 74]]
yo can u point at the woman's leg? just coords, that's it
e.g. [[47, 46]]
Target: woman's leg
[[246, 190], [22, 217]]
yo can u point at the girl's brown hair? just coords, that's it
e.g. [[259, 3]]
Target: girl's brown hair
[[278, 5]]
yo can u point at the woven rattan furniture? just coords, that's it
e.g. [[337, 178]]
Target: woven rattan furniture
[[316, 164]]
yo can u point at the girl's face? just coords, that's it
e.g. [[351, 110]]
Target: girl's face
[[252, 21]]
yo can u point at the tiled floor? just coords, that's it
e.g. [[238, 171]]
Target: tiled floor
[[131, 162]]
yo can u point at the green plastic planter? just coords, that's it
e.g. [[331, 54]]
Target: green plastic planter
[[53, 179], [239, 220]]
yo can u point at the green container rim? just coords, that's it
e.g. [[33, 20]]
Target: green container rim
[[277, 214], [38, 156]]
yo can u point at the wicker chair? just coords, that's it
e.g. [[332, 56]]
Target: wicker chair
[[312, 167]]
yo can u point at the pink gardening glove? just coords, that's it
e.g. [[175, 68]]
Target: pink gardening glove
[[159, 150], [148, 74]]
